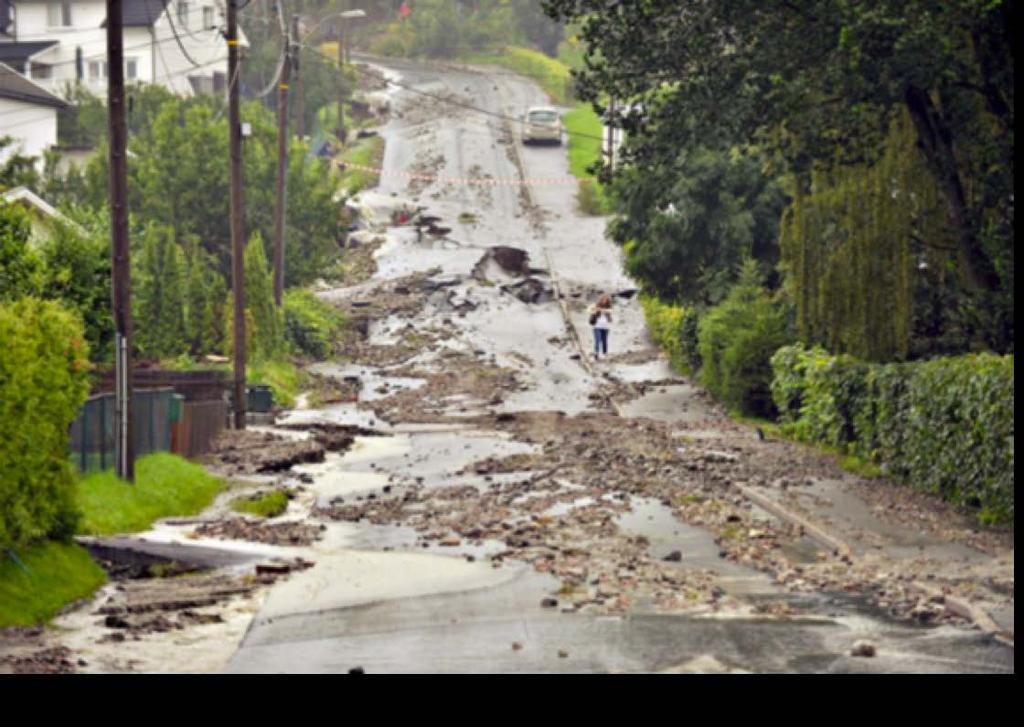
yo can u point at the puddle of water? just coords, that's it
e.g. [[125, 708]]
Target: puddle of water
[[374, 384], [564, 508], [331, 480], [377, 449], [666, 534], [346, 414]]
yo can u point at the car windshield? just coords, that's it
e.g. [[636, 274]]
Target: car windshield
[[543, 117]]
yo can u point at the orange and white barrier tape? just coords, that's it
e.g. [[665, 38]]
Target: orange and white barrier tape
[[468, 181]]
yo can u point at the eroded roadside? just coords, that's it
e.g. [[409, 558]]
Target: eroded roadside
[[474, 495]]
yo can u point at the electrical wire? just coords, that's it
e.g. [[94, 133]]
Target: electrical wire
[[447, 100], [174, 29], [100, 55]]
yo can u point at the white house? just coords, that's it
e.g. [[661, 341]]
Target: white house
[[28, 113], [175, 43], [41, 213]]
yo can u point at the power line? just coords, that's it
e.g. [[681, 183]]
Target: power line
[[174, 29], [446, 100], [101, 54]]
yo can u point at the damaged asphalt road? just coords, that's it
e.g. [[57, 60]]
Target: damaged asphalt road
[[532, 510], [476, 495]]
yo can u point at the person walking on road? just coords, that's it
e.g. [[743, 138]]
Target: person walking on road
[[601, 321]]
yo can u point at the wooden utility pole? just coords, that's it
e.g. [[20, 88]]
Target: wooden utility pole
[[124, 450], [341, 94], [237, 233], [282, 167], [300, 110]]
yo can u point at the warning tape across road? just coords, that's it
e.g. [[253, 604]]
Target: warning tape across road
[[469, 181]]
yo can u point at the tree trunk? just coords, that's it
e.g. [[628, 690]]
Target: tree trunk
[[935, 141]]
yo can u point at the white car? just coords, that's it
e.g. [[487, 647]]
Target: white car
[[542, 123]]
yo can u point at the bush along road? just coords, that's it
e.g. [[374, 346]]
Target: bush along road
[[472, 492]]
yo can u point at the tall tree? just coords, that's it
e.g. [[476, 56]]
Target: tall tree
[[818, 85], [159, 295]]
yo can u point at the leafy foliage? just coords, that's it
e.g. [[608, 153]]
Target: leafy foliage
[[310, 325], [736, 341], [817, 87], [448, 28], [945, 425], [43, 383], [178, 177], [16, 170], [665, 322], [691, 221], [267, 339], [76, 263], [159, 295], [20, 265]]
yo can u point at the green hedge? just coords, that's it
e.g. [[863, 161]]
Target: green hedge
[[43, 384], [945, 425], [737, 339]]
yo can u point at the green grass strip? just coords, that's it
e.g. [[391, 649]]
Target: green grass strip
[[165, 485], [270, 504], [583, 127], [367, 152], [45, 578]]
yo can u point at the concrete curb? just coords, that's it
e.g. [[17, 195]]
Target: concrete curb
[[969, 611]]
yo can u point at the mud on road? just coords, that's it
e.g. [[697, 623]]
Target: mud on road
[[463, 435]]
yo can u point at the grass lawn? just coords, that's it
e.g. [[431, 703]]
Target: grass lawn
[[368, 152], [269, 504], [283, 377], [165, 485], [583, 126], [550, 73], [49, 576]]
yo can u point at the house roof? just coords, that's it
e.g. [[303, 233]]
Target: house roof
[[30, 199], [140, 13], [15, 86], [18, 53]]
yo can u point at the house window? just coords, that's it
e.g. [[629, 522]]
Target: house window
[[131, 68], [58, 15], [207, 17], [42, 71], [97, 70], [183, 14]]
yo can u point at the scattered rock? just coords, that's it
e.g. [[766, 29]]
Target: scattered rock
[[862, 647]]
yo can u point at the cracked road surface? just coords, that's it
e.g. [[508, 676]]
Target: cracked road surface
[[531, 510], [508, 505]]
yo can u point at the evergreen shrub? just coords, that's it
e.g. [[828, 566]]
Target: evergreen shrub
[[43, 384]]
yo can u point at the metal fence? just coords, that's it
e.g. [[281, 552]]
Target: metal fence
[[200, 423], [154, 413]]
